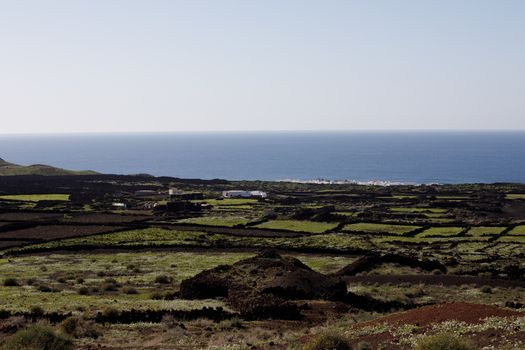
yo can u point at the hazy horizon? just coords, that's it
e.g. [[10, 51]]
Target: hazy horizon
[[179, 66]]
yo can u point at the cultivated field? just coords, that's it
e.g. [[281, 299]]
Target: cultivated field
[[370, 265]]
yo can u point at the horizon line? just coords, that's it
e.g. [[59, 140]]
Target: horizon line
[[258, 131]]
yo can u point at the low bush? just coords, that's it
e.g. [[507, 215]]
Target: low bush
[[11, 282], [79, 328], [83, 291], [163, 279], [44, 288], [443, 341], [363, 346], [327, 341], [486, 289], [36, 311], [38, 336], [130, 290]]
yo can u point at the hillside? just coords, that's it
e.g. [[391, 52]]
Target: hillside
[[10, 169]]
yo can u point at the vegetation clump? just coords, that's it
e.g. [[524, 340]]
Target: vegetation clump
[[39, 336], [327, 341], [79, 328], [443, 341], [11, 282]]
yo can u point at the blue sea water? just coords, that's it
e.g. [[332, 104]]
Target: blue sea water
[[408, 157]]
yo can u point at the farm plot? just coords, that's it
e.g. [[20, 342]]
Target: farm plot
[[417, 210], [485, 231], [36, 197], [159, 238], [441, 232], [515, 196], [517, 231], [229, 201], [298, 225], [54, 232], [104, 218], [228, 221], [380, 228]]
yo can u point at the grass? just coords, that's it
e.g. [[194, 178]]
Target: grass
[[441, 232], [417, 210], [157, 237], [228, 221], [297, 225], [485, 231], [517, 231], [515, 196], [137, 270], [380, 228], [228, 201], [512, 239], [346, 213], [36, 197]]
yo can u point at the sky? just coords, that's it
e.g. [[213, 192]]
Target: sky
[[234, 65]]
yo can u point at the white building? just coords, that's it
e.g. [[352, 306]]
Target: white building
[[119, 206], [244, 194]]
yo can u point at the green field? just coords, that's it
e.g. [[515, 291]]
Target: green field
[[515, 196], [485, 231], [129, 270], [441, 232], [228, 201], [228, 221], [158, 237], [36, 197], [517, 231], [417, 210], [380, 228], [297, 225]]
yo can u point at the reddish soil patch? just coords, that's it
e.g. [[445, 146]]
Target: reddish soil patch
[[50, 232], [428, 315]]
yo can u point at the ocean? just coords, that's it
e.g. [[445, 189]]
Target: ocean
[[390, 157]]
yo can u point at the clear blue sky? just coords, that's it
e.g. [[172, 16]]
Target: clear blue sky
[[152, 65]]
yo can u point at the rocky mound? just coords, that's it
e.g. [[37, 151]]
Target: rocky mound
[[262, 286]]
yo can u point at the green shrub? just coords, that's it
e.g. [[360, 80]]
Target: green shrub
[[44, 288], [363, 346], [83, 291], [36, 311], [11, 282], [486, 289], [326, 341], [39, 336], [443, 341], [79, 328], [163, 279], [110, 312], [130, 290]]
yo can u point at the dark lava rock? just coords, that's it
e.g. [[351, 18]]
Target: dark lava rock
[[262, 286]]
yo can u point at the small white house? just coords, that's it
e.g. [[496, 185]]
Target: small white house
[[119, 206], [244, 194]]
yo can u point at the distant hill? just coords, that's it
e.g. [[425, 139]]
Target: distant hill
[[10, 169]]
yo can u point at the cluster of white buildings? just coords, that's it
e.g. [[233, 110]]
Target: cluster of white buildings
[[244, 194]]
